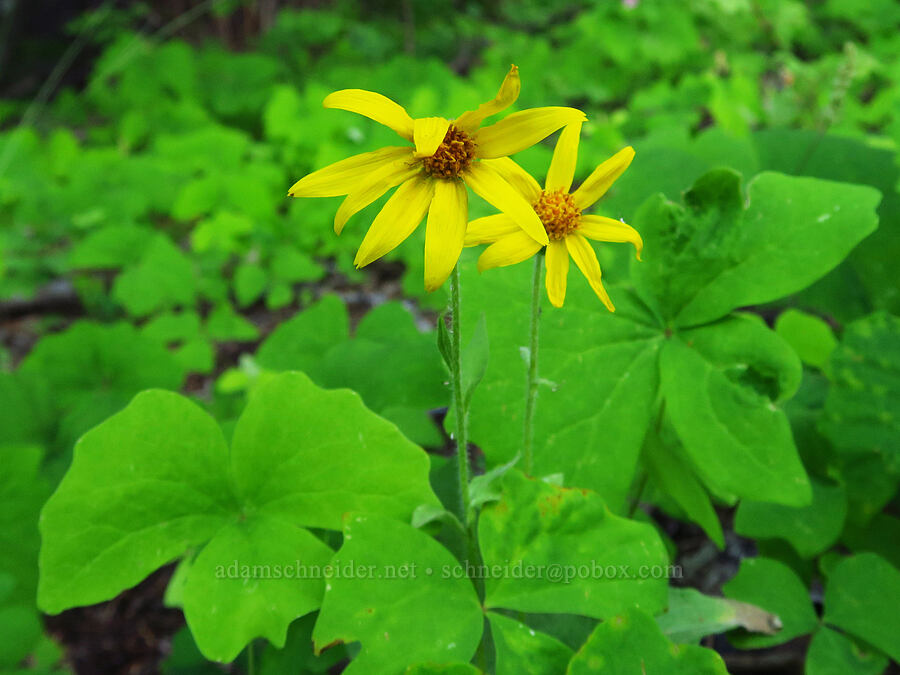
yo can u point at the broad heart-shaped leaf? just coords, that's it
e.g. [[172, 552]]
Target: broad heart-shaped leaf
[[721, 383], [832, 653], [632, 643], [774, 587], [390, 363], [862, 411], [862, 598], [524, 651], [157, 480], [810, 529], [93, 370], [598, 380], [561, 551], [143, 487], [404, 597], [309, 455], [714, 254]]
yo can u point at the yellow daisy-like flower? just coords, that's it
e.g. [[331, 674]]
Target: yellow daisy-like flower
[[432, 175], [560, 212]]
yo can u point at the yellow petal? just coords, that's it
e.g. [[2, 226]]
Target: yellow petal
[[342, 177], [373, 187], [609, 229], [584, 256], [397, 220], [374, 106], [557, 270], [603, 176], [562, 166], [445, 231], [509, 92], [489, 229], [508, 251], [490, 186], [516, 176], [521, 130], [428, 134]]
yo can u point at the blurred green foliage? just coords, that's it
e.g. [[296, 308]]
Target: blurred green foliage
[[157, 192]]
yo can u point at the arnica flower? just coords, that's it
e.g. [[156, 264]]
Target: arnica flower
[[432, 175], [560, 211]]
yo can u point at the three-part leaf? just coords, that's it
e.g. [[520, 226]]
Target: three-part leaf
[[158, 480]]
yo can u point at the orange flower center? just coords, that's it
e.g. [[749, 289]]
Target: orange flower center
[[558, 213], [453, 156]]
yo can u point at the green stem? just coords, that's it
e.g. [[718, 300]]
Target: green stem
[[459, 403], [531, 391]]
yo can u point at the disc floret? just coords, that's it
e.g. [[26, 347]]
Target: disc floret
[[453, 156], [558, 213]]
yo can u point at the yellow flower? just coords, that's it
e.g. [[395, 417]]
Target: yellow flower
[[432, 175], [561, 215]]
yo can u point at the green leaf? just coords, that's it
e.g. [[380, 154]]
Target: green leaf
[[412, 604], [523, 651], [809, 529], [809, 335], [362, 462], [862, 411], [173, 327], [774, 587], [94, 369], [297, 655], [250, 281], [250, 574], [21, 629], [393, 366], [561, 551], [879, 535], [164, 278], [721, 385], [225, 324], [290, 265], [22, 493], [223, 232], [111, 247], [599, 380], [832, 653], [143, 487], [713, 255], [300, 343], [862, 597], [390, 363], [474, 358], [633, 643], [156, 481], [27, 405], [867, 278], [692, 616], [671, 471]]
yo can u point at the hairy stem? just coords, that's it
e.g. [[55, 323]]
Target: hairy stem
[[531, 390], [459, 403]]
